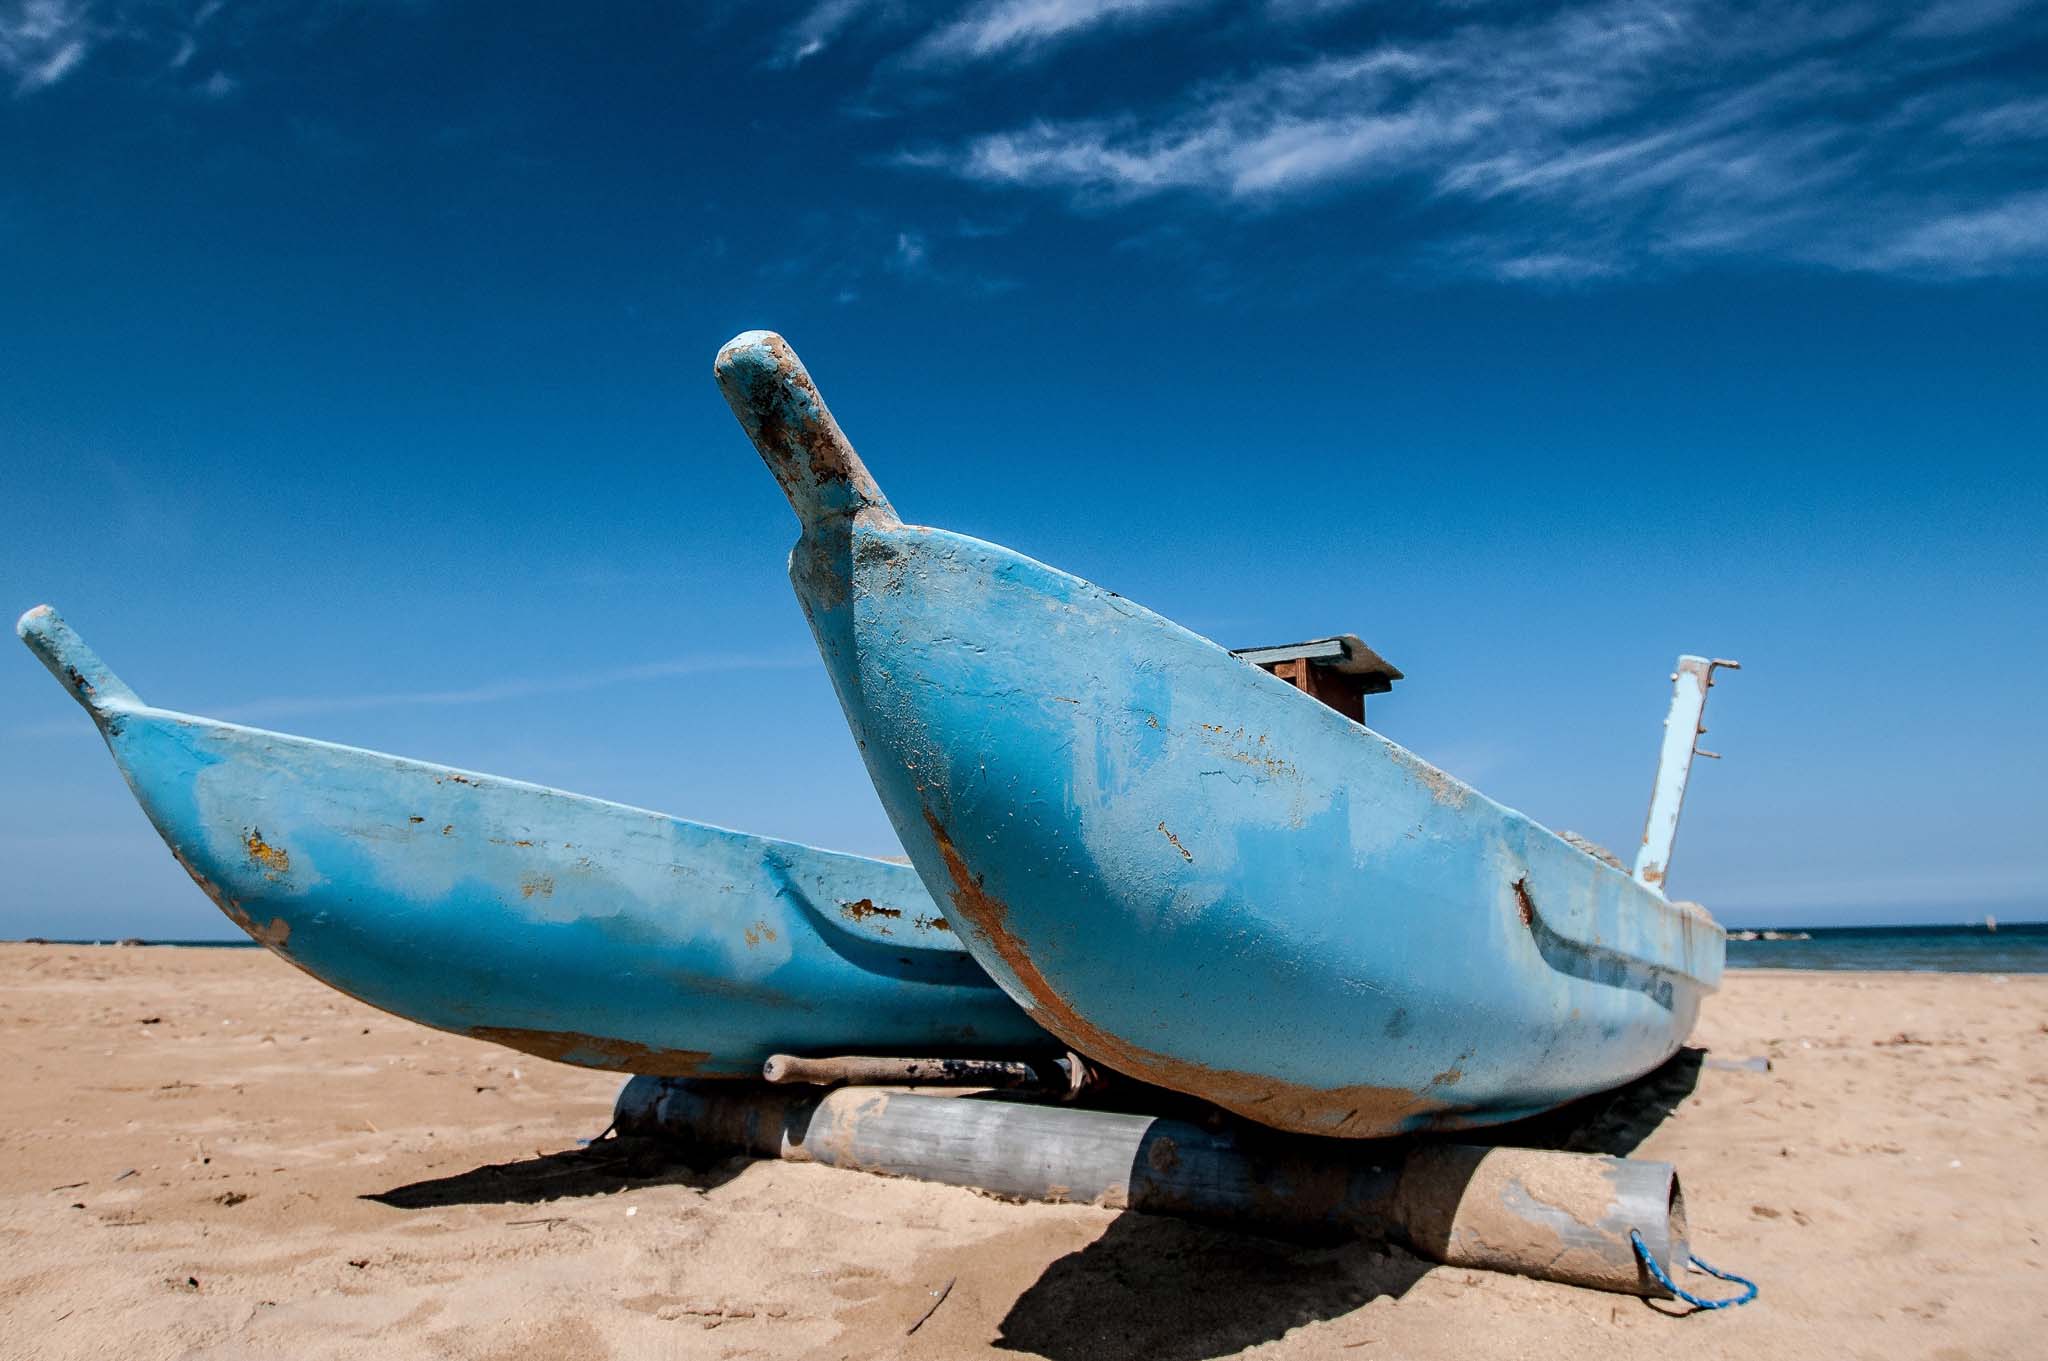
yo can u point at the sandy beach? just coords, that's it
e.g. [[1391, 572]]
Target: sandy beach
[[205, 1153]]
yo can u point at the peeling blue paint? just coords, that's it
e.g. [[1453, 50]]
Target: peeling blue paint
[[566, 926]]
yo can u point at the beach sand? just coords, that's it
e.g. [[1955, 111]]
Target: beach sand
[[206, 1153]]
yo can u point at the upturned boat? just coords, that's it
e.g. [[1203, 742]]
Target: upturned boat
[[1196, 873], [563, 926]]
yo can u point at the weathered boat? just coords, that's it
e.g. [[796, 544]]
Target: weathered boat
[[563, 926], [1191, 870]]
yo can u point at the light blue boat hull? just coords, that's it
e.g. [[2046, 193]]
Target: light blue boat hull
[[563, 926], [1189, 870]]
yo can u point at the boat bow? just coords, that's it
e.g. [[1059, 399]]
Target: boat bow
[[1186, 868], [564, 926]]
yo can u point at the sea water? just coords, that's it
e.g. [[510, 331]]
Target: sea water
[[2021, 947]]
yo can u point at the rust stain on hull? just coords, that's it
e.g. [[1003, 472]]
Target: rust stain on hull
[[272, 858], [864, 909], [1252, 749], [1358, 1111], [595, 1051], [274, 935]]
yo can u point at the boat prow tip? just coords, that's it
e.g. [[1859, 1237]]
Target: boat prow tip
[[32, 621], [772, 395], [750, 348], [58, 646]]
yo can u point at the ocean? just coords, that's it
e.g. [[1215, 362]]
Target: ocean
[[2021, 947]]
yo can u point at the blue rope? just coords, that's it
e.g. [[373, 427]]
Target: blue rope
[[1748, 1286]]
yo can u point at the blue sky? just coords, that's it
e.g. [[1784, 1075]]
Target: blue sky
[[354, 380]]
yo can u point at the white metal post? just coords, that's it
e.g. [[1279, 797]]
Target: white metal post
[[1682, 729]]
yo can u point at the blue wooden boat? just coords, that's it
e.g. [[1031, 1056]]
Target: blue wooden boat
[[1192, 871], [562, 926]]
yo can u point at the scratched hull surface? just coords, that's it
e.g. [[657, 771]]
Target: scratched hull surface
[[1191, 871], [563, 926]]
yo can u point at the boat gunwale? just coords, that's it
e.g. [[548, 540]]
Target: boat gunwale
[[481, 778]]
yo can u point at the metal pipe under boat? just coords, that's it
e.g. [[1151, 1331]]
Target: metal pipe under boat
[[1065, 1076], [1532, 1212]]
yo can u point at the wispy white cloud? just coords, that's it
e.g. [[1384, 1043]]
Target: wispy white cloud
[[1470, 102], [43, 41], [1283, 129], [188, 40], [487, 692], [847, 256], [1597, 138], [909, 255], [1301, 11], [912, 258], [1951, 18], [1969, 243], [512, 688], [820, 26], [1553, 267], [2014, 120], [1009, 28]]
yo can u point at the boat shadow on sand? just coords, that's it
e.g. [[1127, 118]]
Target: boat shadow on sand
[[603, 1167], [1148, 1285], [1178, 1291]]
